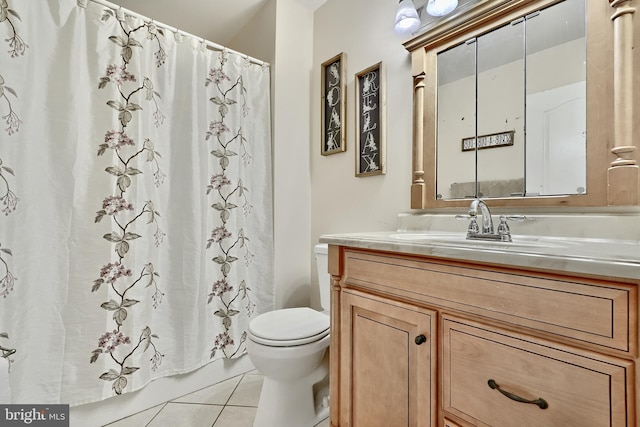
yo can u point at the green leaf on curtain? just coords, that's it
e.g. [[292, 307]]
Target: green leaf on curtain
[[11, 91], [114, 170], [122, 248], [124, 182], [133, 107], [131, 236], [132, 171], [226, 268], [115, 105], [95, 354], [110, 305], [99, 215], [104, 81], [109, 376], [119, 316], [103, 148], [14, 13], [125, 117], [112, 237], [127, 53], [134, 42], [118, 40], [96, 284], [119, 385], [128, 370], [129, 302]]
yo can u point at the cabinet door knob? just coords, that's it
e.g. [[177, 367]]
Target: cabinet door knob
[[421, 339]]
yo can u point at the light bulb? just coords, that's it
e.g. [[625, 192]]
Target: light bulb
[[441, 7], [407, 19]]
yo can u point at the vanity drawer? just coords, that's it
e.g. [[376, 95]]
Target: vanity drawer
[[594, 312], [579, 388]]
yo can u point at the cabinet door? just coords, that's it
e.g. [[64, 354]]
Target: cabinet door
[[387, 370]]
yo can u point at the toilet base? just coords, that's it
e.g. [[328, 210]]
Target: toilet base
[[300, 403]]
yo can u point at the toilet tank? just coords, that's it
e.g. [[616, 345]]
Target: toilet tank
[[322, 263]]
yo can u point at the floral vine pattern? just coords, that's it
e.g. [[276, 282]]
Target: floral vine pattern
[[17, 46], [11, 119], [119, 279], [228, 196], [10, 203]]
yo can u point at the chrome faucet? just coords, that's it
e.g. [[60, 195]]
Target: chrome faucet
[[486, 232], [487, 222]]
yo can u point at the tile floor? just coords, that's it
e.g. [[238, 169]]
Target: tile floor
[[230, 403]]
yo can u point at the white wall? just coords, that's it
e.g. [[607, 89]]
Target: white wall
[[282, 34], [340, 202]]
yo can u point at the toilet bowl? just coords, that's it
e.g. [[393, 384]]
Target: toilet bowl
[[289, 347]]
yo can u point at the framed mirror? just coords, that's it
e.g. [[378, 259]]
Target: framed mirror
[[517, 102]]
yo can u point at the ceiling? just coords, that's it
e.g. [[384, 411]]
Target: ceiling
[[214, 20]]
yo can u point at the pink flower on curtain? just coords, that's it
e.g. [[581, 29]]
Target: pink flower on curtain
[[118, 74], [217, 128], [110, 340], [114, 204], [217, 76], [113, 271]]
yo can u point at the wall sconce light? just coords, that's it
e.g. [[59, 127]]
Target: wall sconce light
[[407, 19], [441, 7]]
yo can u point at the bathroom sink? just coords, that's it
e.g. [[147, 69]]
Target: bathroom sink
[[519, 242]]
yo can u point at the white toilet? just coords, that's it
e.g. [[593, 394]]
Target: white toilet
[[289, 347]]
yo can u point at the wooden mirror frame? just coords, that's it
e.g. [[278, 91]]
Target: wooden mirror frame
[[613, 175]]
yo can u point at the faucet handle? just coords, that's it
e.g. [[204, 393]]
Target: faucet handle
[[518, 218], [503, 228], [473, 226]]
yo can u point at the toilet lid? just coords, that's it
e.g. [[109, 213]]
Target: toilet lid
[[290, 326]]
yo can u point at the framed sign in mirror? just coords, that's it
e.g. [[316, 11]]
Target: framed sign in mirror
[[333, 105], [370, 121]]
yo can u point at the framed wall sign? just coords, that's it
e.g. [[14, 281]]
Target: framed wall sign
[[488, 141], [334, 139], [370, 121]]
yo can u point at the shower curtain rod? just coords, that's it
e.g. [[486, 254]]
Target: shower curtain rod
[[208, 43]]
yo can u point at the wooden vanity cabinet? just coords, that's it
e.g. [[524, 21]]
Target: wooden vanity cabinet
[[420, 341]]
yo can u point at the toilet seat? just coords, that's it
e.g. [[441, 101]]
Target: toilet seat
[[289, 327]]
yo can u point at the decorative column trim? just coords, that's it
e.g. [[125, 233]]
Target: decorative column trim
[[417, 184], [623, 174]]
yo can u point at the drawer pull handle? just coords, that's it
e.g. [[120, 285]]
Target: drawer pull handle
[[542, 404], [421, 339]]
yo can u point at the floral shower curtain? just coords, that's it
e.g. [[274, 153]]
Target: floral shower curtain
[[135, 184]]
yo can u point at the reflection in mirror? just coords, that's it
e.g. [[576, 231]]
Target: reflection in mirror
[[456, 119], [500, 168], [482, 147], [556, 100]]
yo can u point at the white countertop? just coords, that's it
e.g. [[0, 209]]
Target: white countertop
[[600, 257]]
